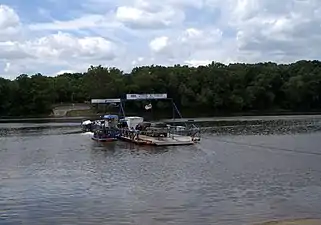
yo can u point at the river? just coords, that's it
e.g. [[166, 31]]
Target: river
[[237, 175]]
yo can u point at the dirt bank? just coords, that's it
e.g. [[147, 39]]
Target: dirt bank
[[62, 110]]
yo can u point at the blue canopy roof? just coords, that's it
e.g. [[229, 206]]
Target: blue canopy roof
[[110, 117]]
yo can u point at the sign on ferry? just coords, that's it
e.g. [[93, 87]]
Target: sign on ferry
[[145, 96], [104, 101]]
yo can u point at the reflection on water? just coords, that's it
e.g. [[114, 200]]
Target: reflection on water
[[48, 177]]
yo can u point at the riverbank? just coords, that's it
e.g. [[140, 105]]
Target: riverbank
[[42, 119], [244, 118], [177, 120]]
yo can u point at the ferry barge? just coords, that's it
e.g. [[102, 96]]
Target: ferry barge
[[133, 129]]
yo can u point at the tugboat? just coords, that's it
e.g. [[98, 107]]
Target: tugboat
[[107, 130]]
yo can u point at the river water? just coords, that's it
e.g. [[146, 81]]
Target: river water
[[236, 175]]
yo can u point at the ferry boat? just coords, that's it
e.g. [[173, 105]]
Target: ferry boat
[[158, 134], [106, 129], [134, 129]]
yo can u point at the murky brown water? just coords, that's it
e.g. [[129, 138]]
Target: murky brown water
[[236, 175]]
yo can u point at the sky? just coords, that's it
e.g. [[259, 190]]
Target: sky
[[56, 36]]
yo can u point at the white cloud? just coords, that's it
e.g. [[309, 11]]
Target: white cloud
[[65, 71], [269, 27], [185, 45], [8, 18], [63, 51], [159, 43], [149, 14], [9, 22], [128, 33], [62, 45], [195, 63], [57, 47], [7, 67], [84, 22], [184, 3], [201, 38], [138, 61]]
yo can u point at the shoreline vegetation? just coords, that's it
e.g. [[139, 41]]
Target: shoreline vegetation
[[218, 120], [87, 113], [206, 91]]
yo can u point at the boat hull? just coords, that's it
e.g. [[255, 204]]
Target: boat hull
[[164, 141], [108, 139]]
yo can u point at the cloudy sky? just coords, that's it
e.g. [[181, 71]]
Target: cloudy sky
[[53, 36]]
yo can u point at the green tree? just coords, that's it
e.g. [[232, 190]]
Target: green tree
[[211, 89]]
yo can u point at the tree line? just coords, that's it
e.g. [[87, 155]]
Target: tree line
[[215, 88]]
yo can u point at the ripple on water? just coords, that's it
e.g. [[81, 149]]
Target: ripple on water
[[50, 178]]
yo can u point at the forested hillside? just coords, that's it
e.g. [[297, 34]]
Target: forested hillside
[[212, 89]]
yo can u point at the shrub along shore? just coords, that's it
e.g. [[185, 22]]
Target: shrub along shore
[[215, 89]]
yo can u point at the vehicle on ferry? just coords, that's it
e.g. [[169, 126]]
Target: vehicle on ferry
[[106, 129]]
